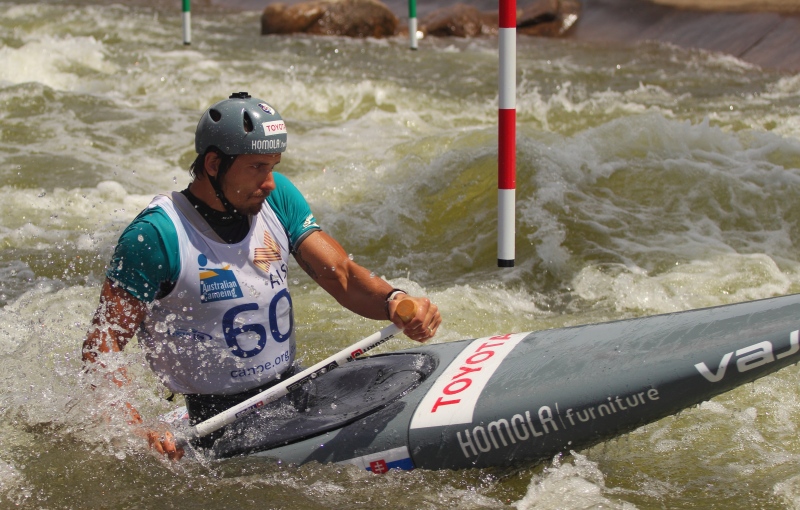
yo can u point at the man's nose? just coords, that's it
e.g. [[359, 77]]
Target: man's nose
[[268, 184]]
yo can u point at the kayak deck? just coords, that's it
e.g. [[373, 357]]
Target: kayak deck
[[349, 393]]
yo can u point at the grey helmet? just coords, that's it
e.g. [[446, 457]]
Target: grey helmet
[[241, 124]]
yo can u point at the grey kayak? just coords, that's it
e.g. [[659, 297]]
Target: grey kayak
[[521, 398]]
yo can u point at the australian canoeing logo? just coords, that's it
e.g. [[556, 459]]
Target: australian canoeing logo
[[217, 284]]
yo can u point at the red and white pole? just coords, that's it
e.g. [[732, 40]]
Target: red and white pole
[[507, 134]]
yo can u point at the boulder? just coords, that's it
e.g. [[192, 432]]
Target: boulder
[[372, 18], [551, 18], [459, 20], [548, 18], [352, 18]]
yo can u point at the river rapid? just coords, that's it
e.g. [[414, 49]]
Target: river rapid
[[650, 179]]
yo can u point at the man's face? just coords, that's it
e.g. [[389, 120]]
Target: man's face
[[249, 181]]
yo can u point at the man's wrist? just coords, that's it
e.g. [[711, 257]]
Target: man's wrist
[[390, 297]]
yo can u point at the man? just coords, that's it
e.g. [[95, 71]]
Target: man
[[201, 275]]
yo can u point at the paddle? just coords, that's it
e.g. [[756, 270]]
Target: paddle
[[406, 310]]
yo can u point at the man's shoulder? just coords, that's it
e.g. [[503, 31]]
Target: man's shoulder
[[154, 215], [147, 254], [153, 221]]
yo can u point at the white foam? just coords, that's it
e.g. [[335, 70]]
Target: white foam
[[724, 279], [576, 484], [63, 63], [35, 218]]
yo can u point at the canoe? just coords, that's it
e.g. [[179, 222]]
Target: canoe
[[521, 398]]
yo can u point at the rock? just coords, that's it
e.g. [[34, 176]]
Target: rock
[[548, 18], [459, 20], [551, 18], [372, 18], [352, 18]]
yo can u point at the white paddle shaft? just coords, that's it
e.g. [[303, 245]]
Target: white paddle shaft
[[275, 392]]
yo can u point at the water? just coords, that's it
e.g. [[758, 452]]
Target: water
[[650, 179]]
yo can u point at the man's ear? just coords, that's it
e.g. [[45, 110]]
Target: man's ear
[[212, 163]]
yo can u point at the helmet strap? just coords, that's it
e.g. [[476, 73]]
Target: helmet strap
[[214, 180], [221, 196]]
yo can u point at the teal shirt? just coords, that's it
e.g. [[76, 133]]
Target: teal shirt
[[146, 259]]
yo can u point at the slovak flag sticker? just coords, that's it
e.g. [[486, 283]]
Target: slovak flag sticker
[[382, 462], [378, 467]]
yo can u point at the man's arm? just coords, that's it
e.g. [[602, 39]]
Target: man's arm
[[357, 289], [115, 321]]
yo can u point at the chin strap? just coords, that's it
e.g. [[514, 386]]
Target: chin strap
[[218, 190]]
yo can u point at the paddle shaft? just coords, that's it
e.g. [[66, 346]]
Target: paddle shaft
[[406, 309]]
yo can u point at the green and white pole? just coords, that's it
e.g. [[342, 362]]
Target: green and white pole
[[412, 23], [187, 22]]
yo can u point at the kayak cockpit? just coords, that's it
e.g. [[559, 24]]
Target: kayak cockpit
[[329, 402]]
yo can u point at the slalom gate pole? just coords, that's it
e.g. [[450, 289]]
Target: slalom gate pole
[[412, 23], [507, 134], [187, 22]]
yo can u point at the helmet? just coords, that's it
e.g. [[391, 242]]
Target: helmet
[[241, 124]]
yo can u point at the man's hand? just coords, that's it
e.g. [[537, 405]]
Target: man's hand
[[423, 325], [165, 444], [161, 441]]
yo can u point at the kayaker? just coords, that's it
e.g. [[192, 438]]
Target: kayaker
[[200, 276]]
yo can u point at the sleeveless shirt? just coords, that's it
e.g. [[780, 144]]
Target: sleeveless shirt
[[227, 324]]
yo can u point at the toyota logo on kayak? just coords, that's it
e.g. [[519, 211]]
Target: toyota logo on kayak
[[452, 398]]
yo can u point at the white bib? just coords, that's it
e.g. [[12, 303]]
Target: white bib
[[228, 325]]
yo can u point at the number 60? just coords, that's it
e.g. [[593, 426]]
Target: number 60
[[232, 333]]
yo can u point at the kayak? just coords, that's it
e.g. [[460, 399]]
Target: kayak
[[520, 398]]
